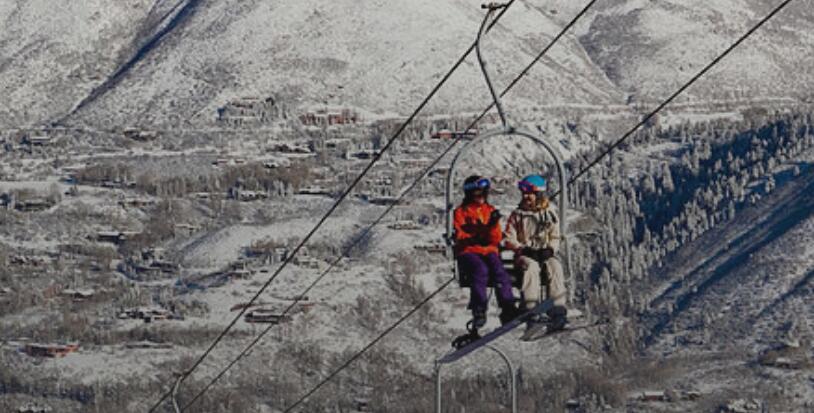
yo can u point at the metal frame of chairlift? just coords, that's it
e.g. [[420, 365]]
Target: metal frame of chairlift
[[506, 130], [509, 366]]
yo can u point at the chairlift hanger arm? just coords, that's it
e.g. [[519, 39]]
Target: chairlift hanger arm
[[482, 62], [494, 5]]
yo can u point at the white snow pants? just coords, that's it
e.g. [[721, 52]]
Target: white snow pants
[[536, 277]]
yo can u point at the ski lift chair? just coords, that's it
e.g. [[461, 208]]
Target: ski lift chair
[[507, 256], [506, 131]]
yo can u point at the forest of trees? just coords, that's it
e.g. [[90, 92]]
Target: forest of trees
[[639, 207], [277, 182], [649, 208]]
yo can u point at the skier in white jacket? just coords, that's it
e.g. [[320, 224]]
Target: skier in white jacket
[[533, 233]]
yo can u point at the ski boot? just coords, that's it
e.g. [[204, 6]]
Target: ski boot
[[557, 318], [509, 313], [536, 326], [477, 322]]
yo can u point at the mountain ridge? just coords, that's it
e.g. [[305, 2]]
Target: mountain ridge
[[383, 59]]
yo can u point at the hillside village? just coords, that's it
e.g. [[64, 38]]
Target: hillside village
[[122, 237], [139, 220]]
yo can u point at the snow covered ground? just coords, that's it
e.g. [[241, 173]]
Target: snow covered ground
[[720, 302]]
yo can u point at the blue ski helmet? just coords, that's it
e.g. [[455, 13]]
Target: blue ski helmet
[[532, 183]]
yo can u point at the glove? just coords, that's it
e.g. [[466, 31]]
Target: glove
[[538, 255], [518, 263], [494, 218], [483, 239], [545, 254]]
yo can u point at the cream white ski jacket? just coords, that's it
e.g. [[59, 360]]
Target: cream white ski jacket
[[534, 229]]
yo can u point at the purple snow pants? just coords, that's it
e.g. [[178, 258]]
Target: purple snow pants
[[480, 267]]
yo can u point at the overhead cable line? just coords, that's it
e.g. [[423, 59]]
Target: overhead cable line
[[333, 208], [401, 197], [680, 91], [369, 345], [443, 286]]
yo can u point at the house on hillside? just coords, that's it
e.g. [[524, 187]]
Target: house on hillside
[[338, 144], [262, 315], [383, 200], [148, 345], [244, 195], [404, 225], [433, 248], [329, 116], [112, 237], [447, 134], [7, 200], [290, 148], [305, 261], [80, 294], [249, 111], [30, 260], [34, 408], [140, 135], [50, 350], [741, 406], [276, 163], [654, 396], [38, 140], [148, 314], [413, 163], [239, 274], [156, 267], [153, 253], [33, 205], [185, 229], [137, 202], [362, 154], [314, 190]]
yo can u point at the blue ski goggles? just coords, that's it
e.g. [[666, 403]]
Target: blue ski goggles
[[526, 187], [482, 183]]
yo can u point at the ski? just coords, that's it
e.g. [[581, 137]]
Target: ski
[[480, 341], [540, 331]]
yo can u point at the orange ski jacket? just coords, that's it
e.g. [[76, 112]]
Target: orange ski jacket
[[471, 227]]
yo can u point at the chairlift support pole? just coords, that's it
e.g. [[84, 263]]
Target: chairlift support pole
[[509, 367]]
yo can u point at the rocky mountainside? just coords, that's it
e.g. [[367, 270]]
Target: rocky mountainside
[[105, 63]]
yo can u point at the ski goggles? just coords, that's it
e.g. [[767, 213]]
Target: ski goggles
[[482, 183], [526, 187]]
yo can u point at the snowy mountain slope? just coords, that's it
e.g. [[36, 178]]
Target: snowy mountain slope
[[168, 61], [743, 278], [222, 247], [650, 48], [53, 54], [385, 58]]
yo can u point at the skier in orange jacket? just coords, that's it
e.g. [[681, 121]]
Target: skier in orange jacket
[[477, 236]]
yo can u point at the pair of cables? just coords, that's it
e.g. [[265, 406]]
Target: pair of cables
[[330, 212], [366, 233]]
